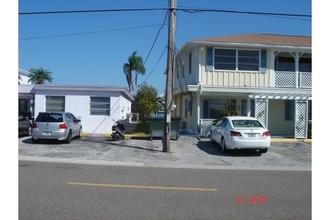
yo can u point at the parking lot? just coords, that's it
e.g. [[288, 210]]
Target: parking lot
[[187, 152]]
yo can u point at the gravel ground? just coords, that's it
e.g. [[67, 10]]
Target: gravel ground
[[187, 152]]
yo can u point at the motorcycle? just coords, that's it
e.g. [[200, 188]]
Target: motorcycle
[[118, 130]]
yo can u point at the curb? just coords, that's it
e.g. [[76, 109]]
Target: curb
[[290, 140]]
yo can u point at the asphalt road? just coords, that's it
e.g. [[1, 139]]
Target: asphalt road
[[77, 191]]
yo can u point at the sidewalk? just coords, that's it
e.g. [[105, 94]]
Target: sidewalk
[[187, 152]]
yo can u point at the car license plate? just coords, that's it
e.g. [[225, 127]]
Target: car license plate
[[46, 133], [252, 135]]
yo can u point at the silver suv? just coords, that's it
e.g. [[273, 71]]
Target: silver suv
[[61, 126]]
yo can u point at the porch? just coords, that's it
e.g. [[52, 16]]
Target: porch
[[283, 117]]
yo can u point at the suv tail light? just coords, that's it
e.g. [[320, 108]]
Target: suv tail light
[[235, 133], [63, 126], [34, 125], [266, 134]]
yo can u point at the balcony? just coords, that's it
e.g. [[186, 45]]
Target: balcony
[[285, 79]]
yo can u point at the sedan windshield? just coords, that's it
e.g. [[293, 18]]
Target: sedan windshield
[[246, 123]]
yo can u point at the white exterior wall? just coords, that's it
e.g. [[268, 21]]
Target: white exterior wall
[[79, 105]]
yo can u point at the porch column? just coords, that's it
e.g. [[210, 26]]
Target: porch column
[[198, 105], [301, 119], [248, 106], [261, 111], [296, 62]]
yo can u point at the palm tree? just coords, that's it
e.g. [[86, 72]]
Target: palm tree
[[134, 64], [40, 76]]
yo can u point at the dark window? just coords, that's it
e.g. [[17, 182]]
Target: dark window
[[225, 59], [100, 106], [248, 60], [263, 61], [224, 122], [246, 123], [55, 103], [310, 110], [285, 64], [289, 110], [49, 117], [305, 65], [244, 107]]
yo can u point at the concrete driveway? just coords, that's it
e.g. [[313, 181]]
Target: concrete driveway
[[187, 152]]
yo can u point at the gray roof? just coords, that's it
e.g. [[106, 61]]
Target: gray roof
[[84, 88], [265, 39]]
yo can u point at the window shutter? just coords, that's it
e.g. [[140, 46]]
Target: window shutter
[[263, 61], [209, 58]]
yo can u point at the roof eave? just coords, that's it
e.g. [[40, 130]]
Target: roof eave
[[247, 45]]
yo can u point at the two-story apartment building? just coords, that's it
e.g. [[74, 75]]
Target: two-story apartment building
[[262, 75]]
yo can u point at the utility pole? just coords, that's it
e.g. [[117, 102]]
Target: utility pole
[[169, 77]]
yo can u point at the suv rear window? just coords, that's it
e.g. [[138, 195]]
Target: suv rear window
[[49, 117]]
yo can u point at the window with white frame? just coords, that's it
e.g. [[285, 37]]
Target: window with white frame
[[100, 106], [237, 60], [55, 103]]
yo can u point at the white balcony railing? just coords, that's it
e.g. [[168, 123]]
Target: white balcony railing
[[291, 80]]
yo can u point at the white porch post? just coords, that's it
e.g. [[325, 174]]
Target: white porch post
[[296, 60], [248, 106], [198, 103], [272, 68]]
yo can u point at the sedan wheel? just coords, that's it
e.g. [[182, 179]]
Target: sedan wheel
[[223, 145], [263, 150]]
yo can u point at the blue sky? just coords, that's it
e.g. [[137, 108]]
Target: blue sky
[[91, 48]]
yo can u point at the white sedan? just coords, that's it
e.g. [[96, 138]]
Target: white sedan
[[240, 132]]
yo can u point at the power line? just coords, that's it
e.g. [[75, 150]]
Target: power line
[[90, 32], [154, 66], [196, 10], [187, 10], [153, 44], [91, 11]]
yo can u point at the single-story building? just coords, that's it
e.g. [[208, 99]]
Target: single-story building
[[98, 107]]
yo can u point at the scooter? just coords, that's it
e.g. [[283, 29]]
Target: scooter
[[118, 130]]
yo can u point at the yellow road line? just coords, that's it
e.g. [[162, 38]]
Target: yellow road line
[[143, 187]]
